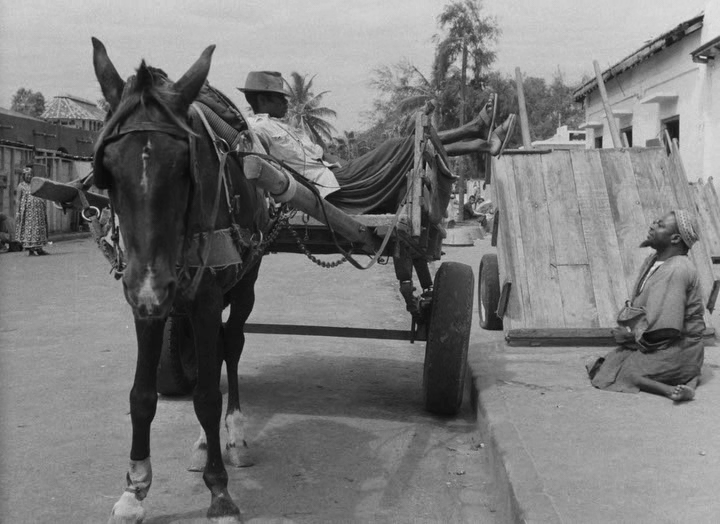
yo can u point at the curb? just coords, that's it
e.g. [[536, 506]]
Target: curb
[[520, 491]]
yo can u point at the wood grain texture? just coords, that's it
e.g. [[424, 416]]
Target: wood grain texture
[[628, 215], [606, 270], [542, 277]]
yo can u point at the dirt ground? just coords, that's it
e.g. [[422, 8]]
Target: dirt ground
[[336, 426]]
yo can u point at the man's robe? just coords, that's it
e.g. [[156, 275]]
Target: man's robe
[[668, 299]]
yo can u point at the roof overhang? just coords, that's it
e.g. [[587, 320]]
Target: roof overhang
[[706, 52], [591, 124], [651, 48], [659, 98]]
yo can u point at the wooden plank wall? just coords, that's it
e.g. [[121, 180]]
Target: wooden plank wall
[[708, 209], [571, 223], [13, 159]]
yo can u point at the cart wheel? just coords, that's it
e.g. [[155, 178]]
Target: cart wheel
[[448, 338], [489, 293], [177, 371]]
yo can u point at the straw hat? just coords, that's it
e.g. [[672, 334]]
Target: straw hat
[[264, 82]]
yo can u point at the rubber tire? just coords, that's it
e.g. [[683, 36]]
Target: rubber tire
[[489, 293], [448, 338], [177, 369]]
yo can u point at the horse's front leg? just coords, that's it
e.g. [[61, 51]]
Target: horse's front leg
[[207, 400], [242, 300], [143, 404]]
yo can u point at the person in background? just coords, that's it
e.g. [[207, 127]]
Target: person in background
[[660, 330], [31, 224]]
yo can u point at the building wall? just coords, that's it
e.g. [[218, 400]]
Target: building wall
[[46, 135], [48, 165], [671, 71]]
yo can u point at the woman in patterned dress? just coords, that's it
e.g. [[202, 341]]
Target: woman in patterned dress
[[31, 225]]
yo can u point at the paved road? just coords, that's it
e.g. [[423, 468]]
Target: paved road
[[336, 426]]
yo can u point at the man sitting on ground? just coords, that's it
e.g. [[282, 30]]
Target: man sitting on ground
[[661, 328], [368, 183]]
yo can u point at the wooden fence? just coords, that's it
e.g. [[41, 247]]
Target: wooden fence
[[47, 164], [570, 226]]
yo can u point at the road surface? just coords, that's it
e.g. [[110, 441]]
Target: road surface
[[336, 426]]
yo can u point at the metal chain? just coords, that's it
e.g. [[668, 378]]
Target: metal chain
[[304, 249]]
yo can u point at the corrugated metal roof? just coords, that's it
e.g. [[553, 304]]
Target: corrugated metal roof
[[66, 107], [649, 49]]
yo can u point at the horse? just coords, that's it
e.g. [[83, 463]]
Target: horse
[[165, 177]]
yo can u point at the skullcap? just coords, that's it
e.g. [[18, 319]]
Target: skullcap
[[687, 226]]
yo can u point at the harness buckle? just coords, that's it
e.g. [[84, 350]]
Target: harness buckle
[[95, 213], [222, 146]]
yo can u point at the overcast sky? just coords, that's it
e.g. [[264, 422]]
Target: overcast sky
[[45, 45]]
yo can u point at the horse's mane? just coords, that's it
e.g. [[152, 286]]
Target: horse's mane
[[150, 86]]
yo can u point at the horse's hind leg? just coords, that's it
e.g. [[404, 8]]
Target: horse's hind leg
[[207, 400], [143, 403], [242, 300]]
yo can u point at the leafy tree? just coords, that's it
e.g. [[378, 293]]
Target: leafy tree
[[28, 102], [305, 111], [548, 105], [467, 40]]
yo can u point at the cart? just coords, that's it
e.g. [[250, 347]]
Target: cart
[[440, 309], [567, 232]]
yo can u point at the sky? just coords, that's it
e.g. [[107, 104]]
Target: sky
[[45, 45]]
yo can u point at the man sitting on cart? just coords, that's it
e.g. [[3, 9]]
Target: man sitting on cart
[[661, 327], [371, 182]]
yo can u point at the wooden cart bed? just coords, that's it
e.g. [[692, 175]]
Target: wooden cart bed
[[570, 223]]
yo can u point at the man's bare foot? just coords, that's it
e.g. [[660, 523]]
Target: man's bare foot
[[501, 135], [682, 393]]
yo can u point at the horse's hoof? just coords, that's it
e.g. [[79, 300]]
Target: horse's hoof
[[238, 456], [127, 510], [198, 460], [224, 511]]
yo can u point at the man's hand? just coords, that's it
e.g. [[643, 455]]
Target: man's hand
[[622, 335]]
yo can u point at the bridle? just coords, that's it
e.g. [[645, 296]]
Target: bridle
[[178, 132]]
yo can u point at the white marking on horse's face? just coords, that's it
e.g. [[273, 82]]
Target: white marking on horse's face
[[146, 293], [145, 158]]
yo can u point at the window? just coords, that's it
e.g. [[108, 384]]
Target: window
[[626, 133], [598, 142], [671, 128]]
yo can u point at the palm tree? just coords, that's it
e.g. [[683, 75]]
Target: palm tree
[[305, 111]]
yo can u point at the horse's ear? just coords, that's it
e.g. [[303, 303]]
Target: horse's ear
[[110, 82], [189, 85]]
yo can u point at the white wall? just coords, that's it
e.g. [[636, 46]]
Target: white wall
[[670, 71]]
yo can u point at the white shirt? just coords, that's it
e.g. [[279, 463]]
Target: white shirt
[[296, 149]]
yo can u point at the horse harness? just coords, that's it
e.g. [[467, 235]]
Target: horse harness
[[196, 249]]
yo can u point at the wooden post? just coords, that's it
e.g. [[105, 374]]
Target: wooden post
[[524, 122], [461, 183], [614, 133]]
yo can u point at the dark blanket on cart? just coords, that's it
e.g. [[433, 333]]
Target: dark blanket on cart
[[375, 182]]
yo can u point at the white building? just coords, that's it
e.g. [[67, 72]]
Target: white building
[[671, 84], [564, 138]]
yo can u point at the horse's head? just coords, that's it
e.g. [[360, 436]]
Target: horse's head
[[143, 158]]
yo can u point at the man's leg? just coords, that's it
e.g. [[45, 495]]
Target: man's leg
[[477, 128], [676, 393], [492, 146]]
